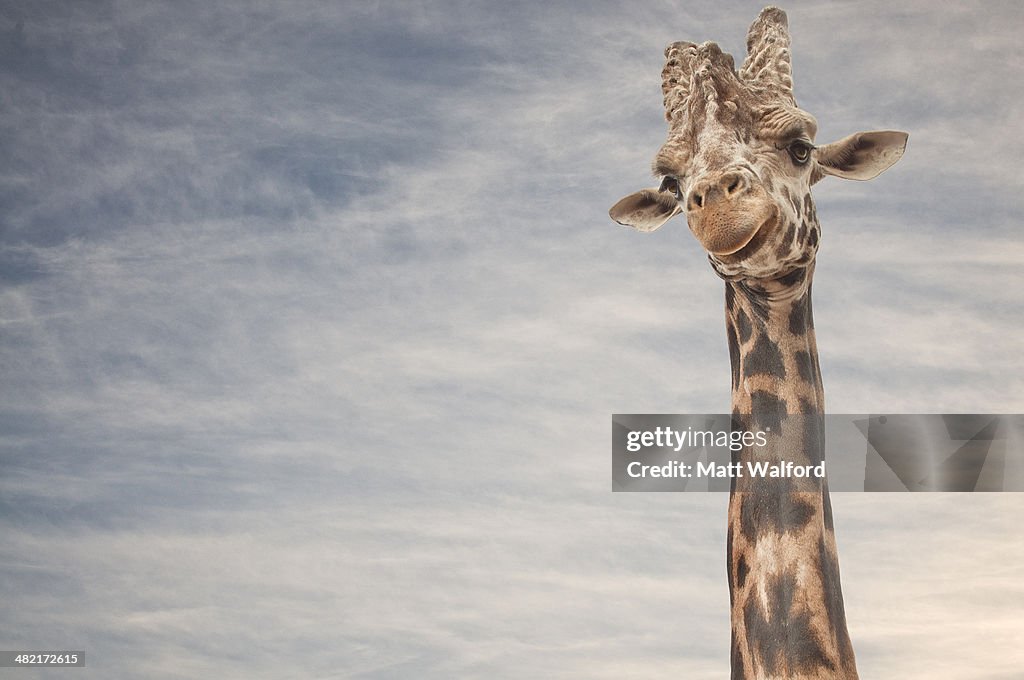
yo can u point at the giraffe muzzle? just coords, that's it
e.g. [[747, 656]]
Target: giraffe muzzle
[[725, 222]]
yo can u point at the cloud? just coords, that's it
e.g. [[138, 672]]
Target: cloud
[[313, 321]]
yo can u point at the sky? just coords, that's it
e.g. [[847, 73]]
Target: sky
[[312, 323]]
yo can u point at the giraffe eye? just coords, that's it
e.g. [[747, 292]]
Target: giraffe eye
[[800, 151], [671, 185]]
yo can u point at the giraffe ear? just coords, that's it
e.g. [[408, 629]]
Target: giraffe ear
[[863, 155], [645, 210]]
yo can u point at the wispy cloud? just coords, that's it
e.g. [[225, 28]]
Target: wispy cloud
[[312, 319]]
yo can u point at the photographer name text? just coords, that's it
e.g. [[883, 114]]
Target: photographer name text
[[678, 469]]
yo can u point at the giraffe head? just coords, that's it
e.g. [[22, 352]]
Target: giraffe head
[[740, 157]]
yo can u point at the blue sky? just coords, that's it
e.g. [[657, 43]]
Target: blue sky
[[312, 321]]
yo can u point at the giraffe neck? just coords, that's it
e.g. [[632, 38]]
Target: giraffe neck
[[788, 619]]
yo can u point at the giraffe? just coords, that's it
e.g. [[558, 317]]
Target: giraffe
[[739, 161]]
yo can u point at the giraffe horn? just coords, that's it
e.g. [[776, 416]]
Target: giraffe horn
[[680, 58], [768, 63]]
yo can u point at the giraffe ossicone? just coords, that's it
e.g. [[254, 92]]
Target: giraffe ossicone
[[739, 161]]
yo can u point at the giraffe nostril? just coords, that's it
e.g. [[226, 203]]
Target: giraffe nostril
[[698, 200], [733, 185]]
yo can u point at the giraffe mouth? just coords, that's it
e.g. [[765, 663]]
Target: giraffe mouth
[[753, 241]]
